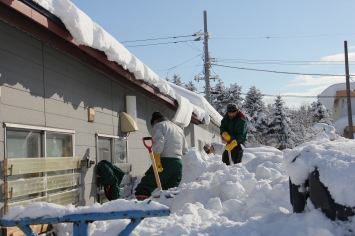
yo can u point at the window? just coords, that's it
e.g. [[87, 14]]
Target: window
[[24, 141], [59, 145], [111, 148]]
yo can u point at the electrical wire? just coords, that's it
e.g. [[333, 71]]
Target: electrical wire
[[283, 37], [195, 68], [274, 71], [282, 62], [169, 69], [151, 44], [141, 40]]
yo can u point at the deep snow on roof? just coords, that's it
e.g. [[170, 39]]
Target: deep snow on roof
[[87, 32]]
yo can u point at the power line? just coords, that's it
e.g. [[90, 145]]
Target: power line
[[140, 40], [141, 45], [181, 64], [195, 67], [273, 71], [284, 37], [300, 96], [281, 62]]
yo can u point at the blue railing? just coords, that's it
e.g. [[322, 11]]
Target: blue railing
[[81, 221]]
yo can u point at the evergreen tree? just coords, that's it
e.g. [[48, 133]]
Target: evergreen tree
[[177, 80], [233, 95], [302, 120], [219, 97], [254, 108], [254, 102], [279, 132], [320, 114], [191, 86]]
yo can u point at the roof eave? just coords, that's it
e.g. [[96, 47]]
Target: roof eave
[[39, 26]]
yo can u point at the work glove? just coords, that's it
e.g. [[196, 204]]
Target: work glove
[[232, 145], [226, 136], [157, 162]]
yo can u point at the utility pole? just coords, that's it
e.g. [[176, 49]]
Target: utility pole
[[207, 61], [350, 114]]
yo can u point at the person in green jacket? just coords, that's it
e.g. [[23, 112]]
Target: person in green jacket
[[234, 133]]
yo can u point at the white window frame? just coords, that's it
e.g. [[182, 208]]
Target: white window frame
[[43, 138], [111, 137]]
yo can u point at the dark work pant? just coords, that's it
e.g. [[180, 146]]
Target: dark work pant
[[236, 153], [170, 177]]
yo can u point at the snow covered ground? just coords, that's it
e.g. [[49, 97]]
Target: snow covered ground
[[249, 199]]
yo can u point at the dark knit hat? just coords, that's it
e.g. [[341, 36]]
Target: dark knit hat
[[156, 116], [232, 107]]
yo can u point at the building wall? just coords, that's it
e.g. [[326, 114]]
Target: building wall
[[203, 134], [340, 108], [43, 87]]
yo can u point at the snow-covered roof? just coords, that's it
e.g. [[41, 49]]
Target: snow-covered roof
[[87, 32], [328, 102]]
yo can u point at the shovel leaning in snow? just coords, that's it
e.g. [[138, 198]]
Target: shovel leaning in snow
[[230, 155], [155, 169]]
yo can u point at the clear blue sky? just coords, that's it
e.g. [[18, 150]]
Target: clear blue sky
[[287, 36]]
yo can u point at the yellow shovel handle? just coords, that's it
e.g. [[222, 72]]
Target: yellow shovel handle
[[155, 169], [230, 158]]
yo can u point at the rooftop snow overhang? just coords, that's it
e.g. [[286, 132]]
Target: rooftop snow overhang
[[45, 29]]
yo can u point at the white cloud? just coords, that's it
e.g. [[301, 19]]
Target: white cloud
[[337, 58], [309, 92], [308, 80]]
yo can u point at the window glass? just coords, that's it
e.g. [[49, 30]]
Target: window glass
[[104, 149], [119, 151], [22, 144], [59, 145]]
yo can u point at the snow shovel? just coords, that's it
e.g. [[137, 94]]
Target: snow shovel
[[155, 169], [230, 156]]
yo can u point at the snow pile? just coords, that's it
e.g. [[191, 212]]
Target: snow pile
[[341, 124], [324, 131], [87, 32], [251, 198], [43, 209], [335, 161]]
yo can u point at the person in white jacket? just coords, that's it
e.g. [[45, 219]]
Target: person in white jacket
[[168, 148], [215, 148]]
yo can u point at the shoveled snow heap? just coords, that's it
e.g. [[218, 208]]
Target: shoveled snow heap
[[251, 198]]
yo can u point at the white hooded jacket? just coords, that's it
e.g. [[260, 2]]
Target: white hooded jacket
[[169, 140]]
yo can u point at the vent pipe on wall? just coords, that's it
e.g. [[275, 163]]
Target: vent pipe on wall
[[131, 107]]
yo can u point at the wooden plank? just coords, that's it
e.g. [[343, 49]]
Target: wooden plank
[[15, 231]]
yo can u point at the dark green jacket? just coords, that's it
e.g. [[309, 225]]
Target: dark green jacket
[[237, 128], [111, 177]]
